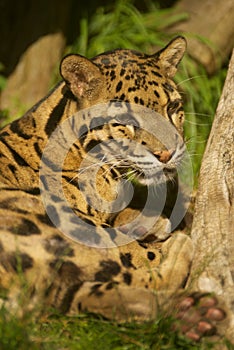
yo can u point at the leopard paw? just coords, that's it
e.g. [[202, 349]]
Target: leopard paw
[[198, 315]]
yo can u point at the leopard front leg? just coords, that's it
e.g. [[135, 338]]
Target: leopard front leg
[[196, 315], [148, 276], [174, 269]]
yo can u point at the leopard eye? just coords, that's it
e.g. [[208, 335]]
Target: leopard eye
[[172, 106], [126, 119]]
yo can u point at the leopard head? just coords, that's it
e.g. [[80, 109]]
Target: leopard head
[[130, 78]]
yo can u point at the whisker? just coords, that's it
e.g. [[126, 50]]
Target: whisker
[[199, 114], [197, 124], [190, 78], [100, 163], [195, 140]]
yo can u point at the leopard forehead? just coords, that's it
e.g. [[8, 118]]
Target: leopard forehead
[[129, 76], [136, 77]]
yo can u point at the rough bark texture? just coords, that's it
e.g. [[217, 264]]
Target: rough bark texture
[[209, 30], [213, 225], [31, 78]]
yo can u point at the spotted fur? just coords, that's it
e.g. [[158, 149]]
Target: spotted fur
[[111, 275]]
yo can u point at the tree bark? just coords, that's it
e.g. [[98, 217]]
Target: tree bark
[[31, 79], [209, 30], [213, 224]]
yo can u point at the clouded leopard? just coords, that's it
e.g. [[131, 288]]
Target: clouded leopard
[[83, 176]]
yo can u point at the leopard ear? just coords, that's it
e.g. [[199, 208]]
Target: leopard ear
[[171, 55], [82, 76]]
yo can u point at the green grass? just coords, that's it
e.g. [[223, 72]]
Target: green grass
[[121, 25], [90, 332], [201, 94]]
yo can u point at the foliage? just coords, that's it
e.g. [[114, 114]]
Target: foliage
[[3, 113], [13, 333], [201, 94], [90, 332], [121, 25], [2, 78]]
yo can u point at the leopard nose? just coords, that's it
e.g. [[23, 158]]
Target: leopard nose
[[163, 156]]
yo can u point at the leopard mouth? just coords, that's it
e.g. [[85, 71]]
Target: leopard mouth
[[155, 176], [153, 168]]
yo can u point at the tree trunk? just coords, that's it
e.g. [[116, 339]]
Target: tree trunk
[[210, 30], [213, 225]]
